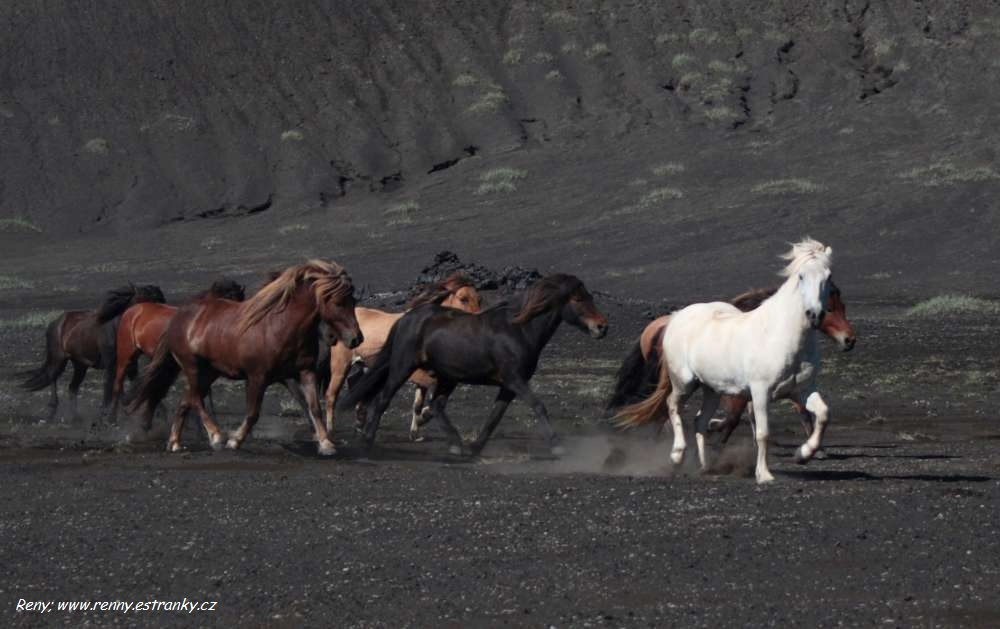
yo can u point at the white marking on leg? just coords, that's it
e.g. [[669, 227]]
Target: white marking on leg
[[761, 397], [817, 406]]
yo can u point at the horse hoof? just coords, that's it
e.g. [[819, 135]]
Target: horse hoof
[[677, 456], [819, 454], [174, 447], [456, 450], [558, 450], [232, 444], [416, 437], [326, 448], [763, 479], [715, 424], [803, 455]]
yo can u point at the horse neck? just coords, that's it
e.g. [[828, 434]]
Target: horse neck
[[541, 328], [784, 314], [298, 317]]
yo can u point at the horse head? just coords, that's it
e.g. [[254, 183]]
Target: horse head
[[835, 323], [569, 294]]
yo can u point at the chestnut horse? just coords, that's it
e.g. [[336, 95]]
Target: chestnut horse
[[640, 371], [141, 327], [271, 337], [499, 346], [456, 291], [85, 338]]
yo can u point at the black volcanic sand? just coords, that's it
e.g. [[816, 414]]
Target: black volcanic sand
[[899, 526]]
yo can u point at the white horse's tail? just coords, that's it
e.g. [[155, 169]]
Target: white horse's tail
[[652, 408]]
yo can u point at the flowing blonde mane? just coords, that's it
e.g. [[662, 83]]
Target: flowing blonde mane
[[803, 251], [329, 281]]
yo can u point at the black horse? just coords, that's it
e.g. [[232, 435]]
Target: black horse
[[87, 339], [499, 346]]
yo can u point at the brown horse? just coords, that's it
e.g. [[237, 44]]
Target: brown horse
[[456, 291], [641, 369], [143, 324], [85, 338], [271, 337]]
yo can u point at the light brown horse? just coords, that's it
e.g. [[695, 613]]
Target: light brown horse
[[85, 338], [643, 366], [456, 291], [271, 337], [143, 324]]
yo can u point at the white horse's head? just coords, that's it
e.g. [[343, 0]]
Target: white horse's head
[[809, 266]]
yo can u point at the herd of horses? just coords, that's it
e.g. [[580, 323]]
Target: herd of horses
[[302, 329]]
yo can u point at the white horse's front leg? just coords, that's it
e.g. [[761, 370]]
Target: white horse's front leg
[[815, 404], [761, 398]]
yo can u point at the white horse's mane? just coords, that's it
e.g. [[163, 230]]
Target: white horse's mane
[[803, 251]]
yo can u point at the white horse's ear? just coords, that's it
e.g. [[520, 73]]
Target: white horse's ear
[[829, 251]]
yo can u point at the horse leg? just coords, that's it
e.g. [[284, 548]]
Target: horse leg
[[255, 395], [523, 390], [440, 401], [177, 425], [340, 363], [761, 395], [54, 399], [79, 372], [817, 407], [675, 402], [418, 413], [297, 390], [500, 405], [808, 420], [397, 377], [709, 404], [325, 447], [122, 364]]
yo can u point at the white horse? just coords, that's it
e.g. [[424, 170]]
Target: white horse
[[726, 351]]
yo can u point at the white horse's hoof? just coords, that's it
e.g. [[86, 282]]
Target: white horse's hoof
[[803, 454], [326, 448], [677, 456], [232, 444], [765, 478], [174, 447], [456, 450]]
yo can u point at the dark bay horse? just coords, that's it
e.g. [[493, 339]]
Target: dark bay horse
[[640, 371], [143, 324], [86, 338], [271, 337], [499, 346], [455, 291]]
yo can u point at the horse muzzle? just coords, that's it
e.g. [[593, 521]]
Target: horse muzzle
[[847, 343], [597, 330], [354, 340]]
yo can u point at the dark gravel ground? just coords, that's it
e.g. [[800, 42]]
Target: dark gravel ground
[[899, 527]]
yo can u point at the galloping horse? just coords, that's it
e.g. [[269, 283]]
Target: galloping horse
[[640, 371], [726, 351], [456, 291], [141, 327], [499, 346], [271, 337], [86, 338]]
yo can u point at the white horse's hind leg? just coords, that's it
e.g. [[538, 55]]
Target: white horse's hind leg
[[674, 402], [761, 397], [817, 407], [709, 404]]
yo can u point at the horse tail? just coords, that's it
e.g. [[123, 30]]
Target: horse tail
[[374, 380], [650, 409], [635, 377], [157, 378], [38, 379]]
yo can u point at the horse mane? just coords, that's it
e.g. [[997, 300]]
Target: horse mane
[[329, 280], [223, 288], [547, 291], [118, 300], [803, 251], [753, 298], [437, 292]]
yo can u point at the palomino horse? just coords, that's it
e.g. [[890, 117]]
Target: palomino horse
[[726, 351], [141, 327], [271, 337], [499, 346], [456, 291], [85, 338], [640, 371]]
